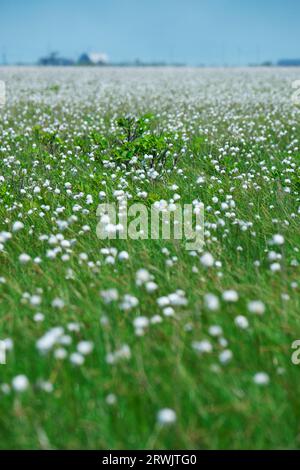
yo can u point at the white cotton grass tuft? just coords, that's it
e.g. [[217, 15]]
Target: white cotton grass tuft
[[156, 319], [277, 239], [275, 267], [257, 307], [8, 344], [151, 286], [177, 298], [58, 303], [241, 322], [203, 346], [128, 302], [166, 416], [85, 347], [39, 317], [261, 378], [207, 260], [142, 276], [140, 324], [35, 300], [215, 330], [45, 385], [211, 302], [24, 258], [123, 256], [225, 356], [168, 311], [230, 296], [111, 399], [123, 353], [17, 226], [76, 359], [109, 295], [20, 383], [49, 339], [60, 353]]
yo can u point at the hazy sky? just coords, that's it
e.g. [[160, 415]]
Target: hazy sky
[[192, 31]]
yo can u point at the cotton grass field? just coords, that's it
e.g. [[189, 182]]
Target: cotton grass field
[[142, 344]]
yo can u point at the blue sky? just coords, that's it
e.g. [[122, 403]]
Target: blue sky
[[213, 32]]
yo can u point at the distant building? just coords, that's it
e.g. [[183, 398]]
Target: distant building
[[93, 58], [54, 59], [289, 63]]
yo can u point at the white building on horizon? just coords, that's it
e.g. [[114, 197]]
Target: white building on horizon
[[93, 58]]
